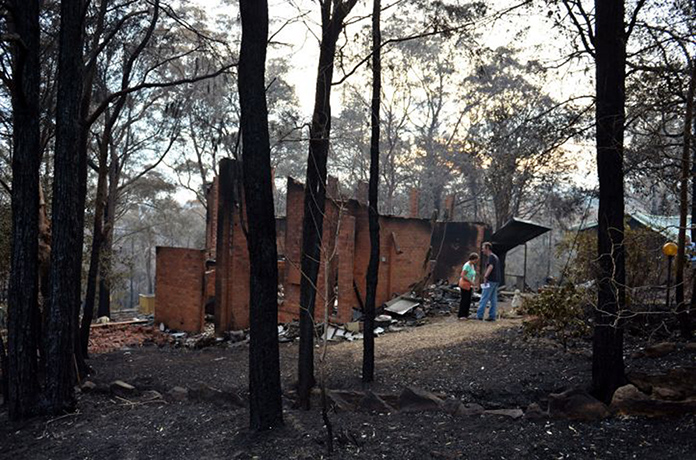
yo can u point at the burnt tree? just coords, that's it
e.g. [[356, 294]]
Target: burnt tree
[[105, 204], [368, 371], [610, 58], [682, 312], [68, 215], [266, 408], [22, 365], [332, 16]]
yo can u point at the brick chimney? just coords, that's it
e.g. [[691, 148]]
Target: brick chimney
[[414, 202]]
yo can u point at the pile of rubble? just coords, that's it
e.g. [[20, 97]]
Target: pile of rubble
[[115, 336]]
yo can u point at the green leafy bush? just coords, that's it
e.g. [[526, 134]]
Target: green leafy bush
[[562, 312]]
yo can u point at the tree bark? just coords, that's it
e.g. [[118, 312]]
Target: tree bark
[[107, 242], [315, 191], [610, 47], [682, 313], [68, 215], [97, 234], [23, 286], [266, 407], [368, 371], [97, 239]]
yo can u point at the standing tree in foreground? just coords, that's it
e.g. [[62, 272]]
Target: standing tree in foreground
[[368, 373], [69, 186], [610, 58], [24, 281], [266, 408], [333, 13]]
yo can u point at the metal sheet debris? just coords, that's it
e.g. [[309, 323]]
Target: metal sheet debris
[[401, 305]]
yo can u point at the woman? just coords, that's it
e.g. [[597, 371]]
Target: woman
[[466, 284]]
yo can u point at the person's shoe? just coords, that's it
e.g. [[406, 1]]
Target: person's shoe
[[480, 319], [462, 318], [490, 319]]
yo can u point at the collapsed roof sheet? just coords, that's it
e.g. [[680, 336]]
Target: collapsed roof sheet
[[515, 233]]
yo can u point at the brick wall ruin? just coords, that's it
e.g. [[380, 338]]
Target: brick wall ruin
[[179, 288], [413, 252]]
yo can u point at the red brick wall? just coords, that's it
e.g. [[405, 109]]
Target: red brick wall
[[289, 310], [232, 262], [346, 249], [414, 203], [179, 288], [211, 198], [397, 269]]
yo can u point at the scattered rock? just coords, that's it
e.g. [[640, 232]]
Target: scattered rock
[[469, 410], [203, 392], [451, 405], [178, 393], [88, 386], [122, 389], [576, 404], [681, 380], [512, 413], [534, 412], [151, 395], [373, 403], [414, 399], [339, 402], [659, 350], [667, 393], [629, 400]]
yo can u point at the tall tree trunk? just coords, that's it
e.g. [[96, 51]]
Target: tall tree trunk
[[315, 190], [682, 312], [368, 373], [693, 213], [23, 287], [266, 406], [106, 254], [610, 48], [97, 234], [68, 215], [97, 239]]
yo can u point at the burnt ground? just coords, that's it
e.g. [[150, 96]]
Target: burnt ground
[[491, 364]]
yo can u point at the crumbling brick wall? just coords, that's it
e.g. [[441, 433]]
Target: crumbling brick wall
[[211, 198], [232, 261], [179, 288], [334, 218], [404, 254]]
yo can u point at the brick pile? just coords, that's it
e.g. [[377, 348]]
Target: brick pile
[[111, 338]]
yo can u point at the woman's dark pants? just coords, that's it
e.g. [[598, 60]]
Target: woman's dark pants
[[465, 304]]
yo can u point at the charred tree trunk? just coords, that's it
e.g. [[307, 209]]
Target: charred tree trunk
[[315, 190], [368, 372], [23, 287], [105, 256], [266, 407], [610, 46], [97, 235], [68, 215], [97, 239], [692, 308], [3, 369], [682, 313]]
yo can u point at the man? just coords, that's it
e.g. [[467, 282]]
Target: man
[[489, 287]]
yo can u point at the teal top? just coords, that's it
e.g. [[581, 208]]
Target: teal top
[[469, 272]]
